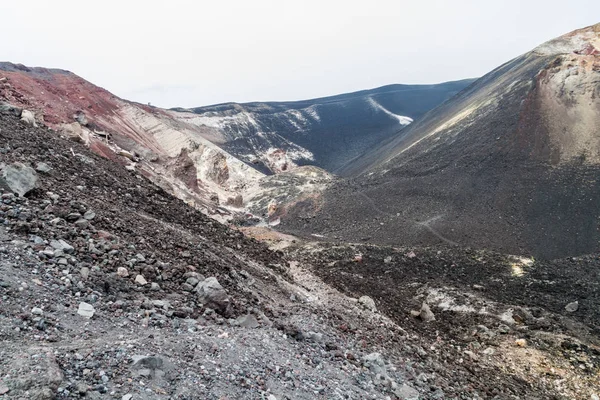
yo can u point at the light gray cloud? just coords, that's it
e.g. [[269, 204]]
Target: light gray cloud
[[191, 53]]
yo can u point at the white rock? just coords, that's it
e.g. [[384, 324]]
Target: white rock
[[426, 314], [86, 310], [368, 303], [28, 117], [140, 280], [572, 307], [122, 272], [37, 311], [127, 396]]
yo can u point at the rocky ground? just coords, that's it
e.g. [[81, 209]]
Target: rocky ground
[[111, 288]]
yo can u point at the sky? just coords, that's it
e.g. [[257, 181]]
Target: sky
[[192, 53]]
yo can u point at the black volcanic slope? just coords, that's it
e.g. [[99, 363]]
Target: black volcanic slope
[[334, 129], [511, 163]]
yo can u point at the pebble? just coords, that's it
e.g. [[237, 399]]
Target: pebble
[[86, 310], [521, 342], [572, 307], [84, 272], [122, 272], [127, 396], [37, 311], [140, 280], [89, 215]]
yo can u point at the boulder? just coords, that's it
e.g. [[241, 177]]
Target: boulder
[[28, 117], [211, 294], [368, 303], [426, 314], [19, 178], [6, 108]]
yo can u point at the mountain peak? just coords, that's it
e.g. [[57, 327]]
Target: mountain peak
[[585, 41]]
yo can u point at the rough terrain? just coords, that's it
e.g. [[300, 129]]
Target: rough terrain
[[326, 132], [510, 163], [108, 290]]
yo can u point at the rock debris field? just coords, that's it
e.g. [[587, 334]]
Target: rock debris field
[[111, 288]]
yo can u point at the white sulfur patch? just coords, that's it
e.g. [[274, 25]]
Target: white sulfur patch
[[402, 120]]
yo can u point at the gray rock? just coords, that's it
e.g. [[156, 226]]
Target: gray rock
[[85, 272], [211, 294], [86, 310], [19, 178], [192, 281], [368, 303], [122, 272], [406, 392], [375, 363], [61, 245], [247, 321], [127, 396], [43, 167], [426, 314], [150, 366], [37, 311], [82, 223], [154, 287], [6, 108], [572, 307], [89, 215]]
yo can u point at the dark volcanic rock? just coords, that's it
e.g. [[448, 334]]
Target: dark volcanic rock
[[512, 163], [327, 132]]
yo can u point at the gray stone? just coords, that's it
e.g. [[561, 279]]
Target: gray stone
[[61, 245], [85, 272], [82, 223], [247, 321], [86, 310], [406, 392], [43, 167], [6, 108], [150, 366], [89, 215], [154, 287], [37, 311], [426, 314], [127, 396], [122, 272], [211, 294], [375, 363], [368, 303], [19, 178], [572, 307]]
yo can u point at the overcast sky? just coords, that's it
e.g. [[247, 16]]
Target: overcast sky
[[192, 53]]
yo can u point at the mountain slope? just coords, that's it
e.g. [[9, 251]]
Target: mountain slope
[[325, 132], [180, 157], [112, 288], [511, 163]]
